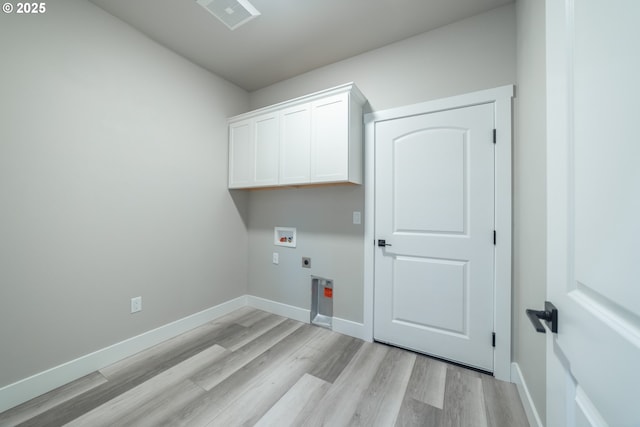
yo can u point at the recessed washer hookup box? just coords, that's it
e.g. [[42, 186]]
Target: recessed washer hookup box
[[321, 301]]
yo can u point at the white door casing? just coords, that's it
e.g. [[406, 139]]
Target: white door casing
[[593, 190], [500, 99], [434, 205]]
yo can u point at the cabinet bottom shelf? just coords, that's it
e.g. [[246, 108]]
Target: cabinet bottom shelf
[[280, 187]]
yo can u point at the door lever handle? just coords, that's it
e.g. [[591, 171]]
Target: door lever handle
[[382, 243], [549, 315]]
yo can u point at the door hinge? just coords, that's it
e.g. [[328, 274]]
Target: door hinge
[[494, 237], [495, 138], [493, 339]]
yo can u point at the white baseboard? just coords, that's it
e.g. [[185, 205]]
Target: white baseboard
[[35, 385], [349, 327], [343, 326], [529, 407], [285, 310]]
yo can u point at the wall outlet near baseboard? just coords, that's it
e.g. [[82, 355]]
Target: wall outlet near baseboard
[[357, 217], [136, 304]]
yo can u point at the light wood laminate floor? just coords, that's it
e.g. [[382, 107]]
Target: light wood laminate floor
[[255, 368]]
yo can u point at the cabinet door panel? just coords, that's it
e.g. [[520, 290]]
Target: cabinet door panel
[[267, 149], [330, 139], [240, 154], [295, 143]]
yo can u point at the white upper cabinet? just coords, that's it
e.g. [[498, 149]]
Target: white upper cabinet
[[253, 151], [266, 143], [310, 140], [295, 144], [330, 139]]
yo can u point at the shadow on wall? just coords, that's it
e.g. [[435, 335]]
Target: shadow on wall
[[241, 201], [314, 210]]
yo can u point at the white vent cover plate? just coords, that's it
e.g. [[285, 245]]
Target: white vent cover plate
[[232, 13]]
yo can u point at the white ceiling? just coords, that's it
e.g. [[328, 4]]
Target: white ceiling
[[291, 36]]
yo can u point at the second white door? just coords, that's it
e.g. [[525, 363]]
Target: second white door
[[434, 227]]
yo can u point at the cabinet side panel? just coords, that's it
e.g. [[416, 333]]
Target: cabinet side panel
[[356, 152], [240, 155]]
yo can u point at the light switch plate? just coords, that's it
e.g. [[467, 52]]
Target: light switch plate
[[357, 217], [276, 258]]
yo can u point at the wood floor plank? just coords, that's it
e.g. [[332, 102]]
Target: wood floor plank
[[264, 392], [336, 358], [163, 353], [164, 402], [142, 359], [47, 401], [427, 381], [296, 404], [414, 413], [127, 378], [213, 375], [251, 332], [502, 404], [463, 399], [205, 408], [136, 400], [381, 401], [463, 370], [341, 400], [252, 317]]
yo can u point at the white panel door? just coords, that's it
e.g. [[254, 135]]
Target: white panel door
[[593, 185], [295, 145], [330, 139], [434, 207], [267, 149]]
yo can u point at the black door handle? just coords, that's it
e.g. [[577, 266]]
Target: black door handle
[[382, 243], [549, 315]]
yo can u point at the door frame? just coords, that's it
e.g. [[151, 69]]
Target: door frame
[[501, 98]]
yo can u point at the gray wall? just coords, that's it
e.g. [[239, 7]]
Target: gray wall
[[325, 233], [113, 163], [529, 213], [473, 54]]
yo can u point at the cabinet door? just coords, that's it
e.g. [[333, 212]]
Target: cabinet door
[[266, 148], [295, 144], [240, 154], [330, 139]]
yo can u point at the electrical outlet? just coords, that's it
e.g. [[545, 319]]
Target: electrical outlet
[[306, 262], [276, 258], [136, 304], [357, 217]]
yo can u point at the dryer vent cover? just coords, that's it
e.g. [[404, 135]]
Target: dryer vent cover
[[232, 13]]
